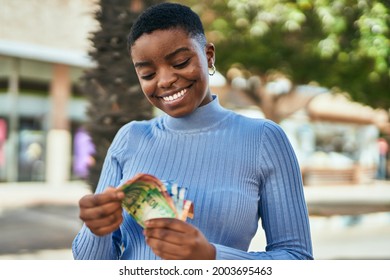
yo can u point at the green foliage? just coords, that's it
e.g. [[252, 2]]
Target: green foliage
[[341, 44]]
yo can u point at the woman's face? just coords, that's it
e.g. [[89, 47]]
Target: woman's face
[[173, 70]]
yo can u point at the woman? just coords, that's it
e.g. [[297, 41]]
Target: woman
[[237, 170]]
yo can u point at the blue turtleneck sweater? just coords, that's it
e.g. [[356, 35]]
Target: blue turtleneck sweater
[[240, 173]]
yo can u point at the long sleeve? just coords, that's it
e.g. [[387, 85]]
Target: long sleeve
[[87, 245], [282, 207]]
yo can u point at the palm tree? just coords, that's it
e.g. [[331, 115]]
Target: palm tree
[[112, 87]]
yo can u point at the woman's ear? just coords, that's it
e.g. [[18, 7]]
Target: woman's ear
[[210, 54]]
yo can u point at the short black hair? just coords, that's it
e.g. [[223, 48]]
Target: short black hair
[[165, 16]]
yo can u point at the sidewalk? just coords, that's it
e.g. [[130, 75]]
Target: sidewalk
[[25, 206]]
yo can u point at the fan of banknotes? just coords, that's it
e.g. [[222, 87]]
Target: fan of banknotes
[[147, 197]]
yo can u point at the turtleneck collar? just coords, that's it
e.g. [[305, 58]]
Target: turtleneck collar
[[203, 118]]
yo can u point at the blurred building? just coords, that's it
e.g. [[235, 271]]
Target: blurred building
[[335, 138], [43, 53]]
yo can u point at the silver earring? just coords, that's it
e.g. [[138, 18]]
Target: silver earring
[[212, 70]]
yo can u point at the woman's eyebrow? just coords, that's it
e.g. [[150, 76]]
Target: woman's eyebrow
[[175, 52], [142, 64]]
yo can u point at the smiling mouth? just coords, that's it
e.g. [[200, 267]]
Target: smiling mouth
[[175, 96]]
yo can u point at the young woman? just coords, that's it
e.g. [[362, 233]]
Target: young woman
[[238, 170]]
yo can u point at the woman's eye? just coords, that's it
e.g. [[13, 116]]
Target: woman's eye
[[147, 77], [182, 64]]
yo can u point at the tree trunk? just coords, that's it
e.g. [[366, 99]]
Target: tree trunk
[[112, 87]]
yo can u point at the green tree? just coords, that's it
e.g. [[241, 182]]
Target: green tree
[[112, 87], [341, 44]]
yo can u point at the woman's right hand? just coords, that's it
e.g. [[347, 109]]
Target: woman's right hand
[[102, 213]]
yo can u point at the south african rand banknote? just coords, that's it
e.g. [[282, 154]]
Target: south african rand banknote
[[146, 197]]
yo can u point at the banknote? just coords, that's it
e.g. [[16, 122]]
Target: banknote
[[147, 197], [184, 208]]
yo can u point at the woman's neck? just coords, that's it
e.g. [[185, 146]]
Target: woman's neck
[[202, 118]]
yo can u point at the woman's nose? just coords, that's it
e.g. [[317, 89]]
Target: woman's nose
[[166, 78]]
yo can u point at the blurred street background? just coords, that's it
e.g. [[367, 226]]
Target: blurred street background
[[319, 69], [40, 222]]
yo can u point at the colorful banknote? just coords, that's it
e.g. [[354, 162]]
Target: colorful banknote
[[147, 197]]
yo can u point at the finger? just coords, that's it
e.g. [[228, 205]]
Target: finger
[[100, 211], [168, 223], [103, 222], [105, 230], [165, 235], [163, 248], [92, 200], [106, 225]]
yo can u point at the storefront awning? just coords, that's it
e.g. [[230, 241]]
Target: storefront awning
[[46, 54], [339, 108]]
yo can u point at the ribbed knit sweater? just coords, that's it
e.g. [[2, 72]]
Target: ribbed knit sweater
[[238, 171]]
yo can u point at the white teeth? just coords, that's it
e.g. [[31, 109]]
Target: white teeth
[[175, 96]]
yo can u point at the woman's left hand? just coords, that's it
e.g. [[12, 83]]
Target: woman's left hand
[[173, 239]]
